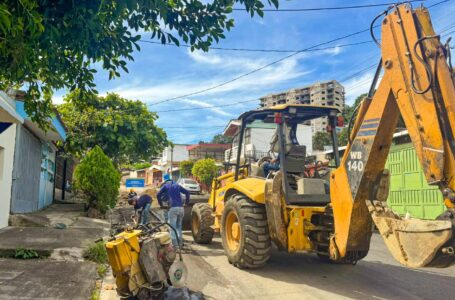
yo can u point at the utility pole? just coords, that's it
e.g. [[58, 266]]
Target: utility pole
[[172, 159]]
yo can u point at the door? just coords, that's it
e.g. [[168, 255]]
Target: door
[[46, 186]]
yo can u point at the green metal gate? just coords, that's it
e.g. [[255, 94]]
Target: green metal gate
[[409, 191]]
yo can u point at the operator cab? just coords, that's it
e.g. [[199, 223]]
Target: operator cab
[[300, 178]]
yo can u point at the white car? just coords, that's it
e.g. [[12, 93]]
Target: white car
[[190, 185]]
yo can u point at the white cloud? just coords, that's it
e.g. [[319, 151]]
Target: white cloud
[[333, 51], [357, 86], [270, 76], [227, 60], [211, 107]]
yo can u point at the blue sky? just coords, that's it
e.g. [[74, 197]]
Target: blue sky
[[160, 72]]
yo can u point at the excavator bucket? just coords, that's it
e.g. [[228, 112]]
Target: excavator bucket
[[414, 243]]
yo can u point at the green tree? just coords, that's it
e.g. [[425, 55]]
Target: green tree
[[186, 167], [205, 170], [349, 109], [141, 165], [321, 139], [48, 45], [222, 139], [343, 137], [98, 179], [124, 129]]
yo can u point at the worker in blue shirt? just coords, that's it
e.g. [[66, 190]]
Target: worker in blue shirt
[[176, 211], [142, 206]]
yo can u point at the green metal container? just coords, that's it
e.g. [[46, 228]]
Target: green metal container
[[409, 191]]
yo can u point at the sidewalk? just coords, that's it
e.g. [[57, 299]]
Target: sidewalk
[[59, 234]]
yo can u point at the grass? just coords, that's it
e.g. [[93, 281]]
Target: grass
[[95, 294], [23, 253], [96, 252], [101, 270]]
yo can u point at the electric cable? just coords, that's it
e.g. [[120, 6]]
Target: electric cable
[[260, 50], [330, 8]]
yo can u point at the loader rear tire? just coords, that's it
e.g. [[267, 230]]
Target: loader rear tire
[[201, 223], [245, 233]]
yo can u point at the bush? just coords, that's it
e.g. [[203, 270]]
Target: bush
[[205, 170], [185, 168], [140, 166], [96, 252], [97, 178]]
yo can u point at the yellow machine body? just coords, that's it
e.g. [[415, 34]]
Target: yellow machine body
[[123, 255], [300, 226], [418, 85], [298, 218]]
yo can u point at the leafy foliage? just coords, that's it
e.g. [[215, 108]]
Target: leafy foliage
[[48, 45], [222, 139], [205, 170], [123, 128], [321, 139], [349, 109], [101, 270], [186, 167], [140, 166], [22, 253], [96, 252], [343, 137], [98, 179]]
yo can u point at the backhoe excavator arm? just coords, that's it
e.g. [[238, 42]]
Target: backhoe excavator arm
[[417, 83]]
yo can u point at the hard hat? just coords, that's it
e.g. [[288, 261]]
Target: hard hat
[[131, 190], [166, 177]]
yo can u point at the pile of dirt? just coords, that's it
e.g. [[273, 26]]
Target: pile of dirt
[[122, 199]]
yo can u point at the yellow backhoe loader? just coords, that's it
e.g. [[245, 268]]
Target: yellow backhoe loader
[[334, 218]]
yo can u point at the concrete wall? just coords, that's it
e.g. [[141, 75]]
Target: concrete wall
[[7, 142]]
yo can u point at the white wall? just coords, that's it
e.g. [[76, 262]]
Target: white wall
[[180, 153], [305, 137], [7, 142], [261, 137]]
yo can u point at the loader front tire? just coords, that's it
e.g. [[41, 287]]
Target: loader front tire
[[201, 223], [245, 233]]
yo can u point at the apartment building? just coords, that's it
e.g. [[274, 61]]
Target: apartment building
[[329, 93]]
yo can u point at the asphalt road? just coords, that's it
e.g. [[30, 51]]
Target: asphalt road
[[303, 276]]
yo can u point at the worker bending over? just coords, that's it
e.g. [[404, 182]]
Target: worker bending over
[[142, 207]]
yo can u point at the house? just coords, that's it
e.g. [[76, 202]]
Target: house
[[167, 163], [206, 150], [9, 121], [257, 138], [28, 158]]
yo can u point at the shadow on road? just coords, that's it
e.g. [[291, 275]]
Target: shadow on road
[[366, 280]]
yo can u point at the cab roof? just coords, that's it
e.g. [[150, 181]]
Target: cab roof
[[301, 112]]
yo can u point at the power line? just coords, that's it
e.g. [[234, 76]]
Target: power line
[[273, 63], [184, 127], [329, 8], [246, 101], [259, 50], [260, 68], [437, 3], [206, 107]]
